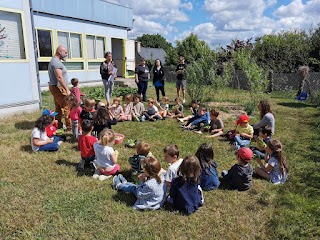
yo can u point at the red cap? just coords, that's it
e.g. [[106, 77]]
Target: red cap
[[243, 118], [245, 154]]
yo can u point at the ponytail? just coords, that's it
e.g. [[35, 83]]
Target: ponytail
[[276, 148]]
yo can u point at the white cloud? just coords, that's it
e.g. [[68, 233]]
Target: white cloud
[[187, 5]]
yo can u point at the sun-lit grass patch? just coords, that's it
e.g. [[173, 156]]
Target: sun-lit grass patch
[[43, 198]]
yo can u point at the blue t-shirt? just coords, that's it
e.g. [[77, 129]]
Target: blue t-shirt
[[210, 178]]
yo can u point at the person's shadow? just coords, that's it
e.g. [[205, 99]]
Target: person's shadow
[[26, 148], [24, 125]]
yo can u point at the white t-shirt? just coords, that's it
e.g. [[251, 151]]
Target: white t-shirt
[[172, 171], [275, 174], [41, 135], [103, 155]]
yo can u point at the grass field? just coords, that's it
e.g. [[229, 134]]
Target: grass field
[[43, 198]]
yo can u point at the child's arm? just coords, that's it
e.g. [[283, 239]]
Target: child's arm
[[114, 156], [249, 136], [38, 142], [266, 168]]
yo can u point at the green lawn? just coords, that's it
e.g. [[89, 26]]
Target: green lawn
[[43, 198]]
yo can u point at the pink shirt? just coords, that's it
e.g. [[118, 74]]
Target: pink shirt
[[77, 93], [75, 113]]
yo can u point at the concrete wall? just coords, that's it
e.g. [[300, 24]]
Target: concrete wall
[[19, 88]]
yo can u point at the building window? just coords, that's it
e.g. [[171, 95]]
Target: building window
[[95, 47], [11, 36], [72, 41], [44, 43]]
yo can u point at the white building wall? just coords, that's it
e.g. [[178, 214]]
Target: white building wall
[[19, 87], [55, 23]]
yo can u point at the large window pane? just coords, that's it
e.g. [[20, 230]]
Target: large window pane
[[100, 47], [63, 39], [11, 36], [75, 45], [90, 47], [73, 65], [94, 65], [44, 42]]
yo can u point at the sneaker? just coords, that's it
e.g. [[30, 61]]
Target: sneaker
[[224, 173], [182, 126], [115, 182], [180, 119], [199, 132], [96, 174], [80, 166], [103, 177], [184, 101], [122, 179]]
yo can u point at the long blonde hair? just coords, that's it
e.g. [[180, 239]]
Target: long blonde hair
[[107, 137]]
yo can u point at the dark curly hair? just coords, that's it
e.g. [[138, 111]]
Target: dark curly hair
[[102, 116], [43, 122]]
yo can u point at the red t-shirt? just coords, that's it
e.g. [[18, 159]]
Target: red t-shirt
[[85, 145]]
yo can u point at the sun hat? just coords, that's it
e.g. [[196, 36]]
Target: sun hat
[[243, 118], [49, 112], [245, 154]]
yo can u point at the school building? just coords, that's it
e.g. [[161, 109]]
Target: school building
[[31, 30]]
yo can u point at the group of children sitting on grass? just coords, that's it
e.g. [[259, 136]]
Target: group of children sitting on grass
[[186, 177]]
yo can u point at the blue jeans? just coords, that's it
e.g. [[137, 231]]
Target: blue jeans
[[51, 147], [259, 154], [142, 89], [241, 142], [108, 89], [128, 187]]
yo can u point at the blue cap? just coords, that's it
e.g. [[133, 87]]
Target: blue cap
[[49, 112]]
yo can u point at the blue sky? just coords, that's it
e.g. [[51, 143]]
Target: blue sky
[[219, 21]]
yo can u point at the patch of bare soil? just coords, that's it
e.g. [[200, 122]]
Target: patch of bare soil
[[228, 110]]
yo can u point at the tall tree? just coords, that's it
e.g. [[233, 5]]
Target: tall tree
[[282, 52], [315, 48], [154, 41]]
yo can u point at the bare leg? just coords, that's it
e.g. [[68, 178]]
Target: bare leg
[[217, 134], [262, 173]]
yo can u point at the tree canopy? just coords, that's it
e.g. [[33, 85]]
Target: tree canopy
[[154, 41]]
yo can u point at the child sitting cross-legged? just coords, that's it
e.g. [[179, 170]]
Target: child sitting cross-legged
[[127, 114], [185, 192], [163, 107], [244, 132], [171, 155], [138, 109], [264, 137], [39, 139], [116, 108], [239, 177], [209, 173], [216, 125], [85, 145], [150, 193], [143, 150], [177, 110], [152, 113], [276, 168], [106, 158]]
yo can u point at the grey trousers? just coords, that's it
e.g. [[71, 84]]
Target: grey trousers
[[108, 89], [75, 128]]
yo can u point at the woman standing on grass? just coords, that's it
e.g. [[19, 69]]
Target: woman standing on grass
[[266, 116], [158, 78], [106, 72]]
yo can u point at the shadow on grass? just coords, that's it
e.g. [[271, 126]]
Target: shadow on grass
[[128, 198], [26, 148], [24, 125], [296, 104], [88, 171]]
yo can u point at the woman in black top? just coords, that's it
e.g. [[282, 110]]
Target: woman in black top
[[158, 78]]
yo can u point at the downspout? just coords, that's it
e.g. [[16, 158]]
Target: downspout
[[35, 47]]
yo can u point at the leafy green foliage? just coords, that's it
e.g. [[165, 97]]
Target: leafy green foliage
[[314, 54], [283, 52], [154, 41], [97, 93]]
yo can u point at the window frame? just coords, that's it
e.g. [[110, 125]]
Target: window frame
[[24, 35], [94, 60], [45, 59]]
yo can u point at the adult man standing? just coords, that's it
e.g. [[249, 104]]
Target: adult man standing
[[58, 85], [181, 82]]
